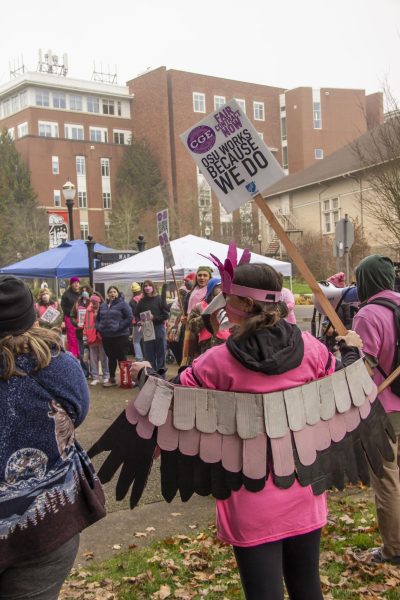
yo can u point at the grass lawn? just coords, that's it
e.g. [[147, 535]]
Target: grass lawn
[[199, 566], [299, 287]]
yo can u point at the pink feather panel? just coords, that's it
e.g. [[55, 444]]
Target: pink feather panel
[[211, 447], [132, 414], [255, 457], [337, 427], [282, 455], [144, 428], [168, 436], [352, 418], [232, 453], [305, 444], [189, 442]]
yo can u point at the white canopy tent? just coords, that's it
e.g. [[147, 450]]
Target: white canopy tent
[[189, 254]]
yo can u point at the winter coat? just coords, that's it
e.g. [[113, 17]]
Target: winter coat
[[156, 306], [68, 300], [42, 504], [114, 318]]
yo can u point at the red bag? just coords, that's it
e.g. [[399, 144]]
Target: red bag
[[125, 374]]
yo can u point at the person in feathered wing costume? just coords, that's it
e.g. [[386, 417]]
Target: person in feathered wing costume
[[265, 423]]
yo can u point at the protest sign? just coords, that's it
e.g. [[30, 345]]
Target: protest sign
[[50, 315], [238, 166], [58, 227], [163, 222], [147, 326], [232, 156]]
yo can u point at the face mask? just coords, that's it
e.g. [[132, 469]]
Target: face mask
[[148, 289], [45, 298]]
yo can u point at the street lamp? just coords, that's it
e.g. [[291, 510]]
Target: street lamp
[[69, 191], [207, 232], [259, 242], [90, 243]]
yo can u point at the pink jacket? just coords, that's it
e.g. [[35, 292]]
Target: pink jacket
[[248, 518]]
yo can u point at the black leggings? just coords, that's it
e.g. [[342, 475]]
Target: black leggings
[[296, 559], [115, 349]]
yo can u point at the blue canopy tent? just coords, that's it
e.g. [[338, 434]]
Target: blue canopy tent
[[67, 260]]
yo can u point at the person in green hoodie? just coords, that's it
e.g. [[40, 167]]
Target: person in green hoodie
[[376, 326]]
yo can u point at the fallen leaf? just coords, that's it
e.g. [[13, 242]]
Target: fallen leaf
[[140, 534], [162, 593], [176, 514], [150, 529], [116, 547]]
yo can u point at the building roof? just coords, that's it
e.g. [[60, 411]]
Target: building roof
[[35, 78], [344, 161]]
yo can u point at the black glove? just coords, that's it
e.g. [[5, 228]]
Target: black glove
[[131, 451]]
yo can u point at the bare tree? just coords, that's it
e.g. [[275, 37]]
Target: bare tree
[[378, 154]]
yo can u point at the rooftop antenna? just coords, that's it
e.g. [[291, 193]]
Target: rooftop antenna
[[52, 63], [105, 76], [17, 67]]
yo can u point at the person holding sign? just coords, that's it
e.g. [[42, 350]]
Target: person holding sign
[[47, 310], [152, 311]]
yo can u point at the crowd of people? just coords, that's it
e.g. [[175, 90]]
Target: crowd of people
[[248, 343]]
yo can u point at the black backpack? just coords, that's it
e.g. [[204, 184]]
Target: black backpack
[[395, 385]]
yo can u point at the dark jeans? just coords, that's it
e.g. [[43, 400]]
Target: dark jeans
[[39, 578], [296, 560], [116, 350], [154, 350]]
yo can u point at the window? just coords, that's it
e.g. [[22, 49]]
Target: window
[[75, 102], [48, 129], [42, 98], [74, 132], [59, 100], [317, 115], [219, 101], [226, 223], [106, 200], [318, 153], [119, 137], [199, 102], [80, 165], [15, 103], [285, 162], [84, 231], [98, 134], [82, 201], [55, 166], [105, 167], [246, 222], [258, 111], [57, 197], [119, 108], [242, 104], [260, 133], [108, 107], [6, 107], [330, 214], [11, 133], [23, 99], [22, 130], [283, 128], [93, 104]]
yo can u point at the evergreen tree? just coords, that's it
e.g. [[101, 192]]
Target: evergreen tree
[[141, 192], [23, 226]]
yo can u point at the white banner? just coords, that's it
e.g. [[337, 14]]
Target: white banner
[[232, 156]]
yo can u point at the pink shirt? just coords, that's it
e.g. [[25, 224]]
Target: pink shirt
[[249, 518], [197, 295], [375, 325]]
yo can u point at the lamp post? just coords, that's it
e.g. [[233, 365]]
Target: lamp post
[[207, 232], [69, 191], [90, 248], [259, 242], [141, 243]]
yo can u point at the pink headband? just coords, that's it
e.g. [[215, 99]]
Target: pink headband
[[228, 287]]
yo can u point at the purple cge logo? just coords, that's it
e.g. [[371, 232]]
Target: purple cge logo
[[201, 139]]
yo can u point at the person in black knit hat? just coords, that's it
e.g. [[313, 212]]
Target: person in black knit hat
[[43, 507]]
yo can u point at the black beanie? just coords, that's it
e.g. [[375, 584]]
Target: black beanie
[[374, 274], [17, 310]]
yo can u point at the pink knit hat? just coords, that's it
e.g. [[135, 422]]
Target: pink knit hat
[[73, 279], [338, 280]]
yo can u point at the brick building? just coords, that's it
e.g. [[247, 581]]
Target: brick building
[[77, 129]]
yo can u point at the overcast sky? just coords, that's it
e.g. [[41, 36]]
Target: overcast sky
[[287, 43]]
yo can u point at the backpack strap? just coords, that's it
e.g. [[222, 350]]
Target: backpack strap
[[395, 308]]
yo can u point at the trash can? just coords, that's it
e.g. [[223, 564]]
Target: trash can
[[125, 375]]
